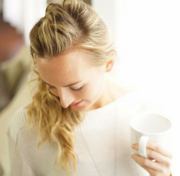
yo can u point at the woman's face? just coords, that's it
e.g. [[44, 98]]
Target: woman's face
[[74, 80]]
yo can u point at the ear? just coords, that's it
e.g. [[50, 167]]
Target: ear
[[109, 65]]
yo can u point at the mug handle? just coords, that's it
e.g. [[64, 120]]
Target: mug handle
[[142, 146]]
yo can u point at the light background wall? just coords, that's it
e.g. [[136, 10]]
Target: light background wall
[[146, 36], [147, 39]]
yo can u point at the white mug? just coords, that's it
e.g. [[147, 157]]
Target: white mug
[[150, 126]]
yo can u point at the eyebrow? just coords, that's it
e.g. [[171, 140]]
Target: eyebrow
[[65, 85]]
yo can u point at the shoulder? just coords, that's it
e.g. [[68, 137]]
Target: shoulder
[[127, 91], [120, 89], [137, 100], [18, 121]]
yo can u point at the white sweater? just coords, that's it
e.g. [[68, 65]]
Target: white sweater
[[102, 142]]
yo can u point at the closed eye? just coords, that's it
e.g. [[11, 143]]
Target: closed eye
[[77, 89], [52, 87]]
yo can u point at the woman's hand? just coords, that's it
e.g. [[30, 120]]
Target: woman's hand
[[161, 165]]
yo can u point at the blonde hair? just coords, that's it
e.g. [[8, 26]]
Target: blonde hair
[[72, 24]]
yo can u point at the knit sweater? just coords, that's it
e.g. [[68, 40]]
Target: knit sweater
[[102, 142]]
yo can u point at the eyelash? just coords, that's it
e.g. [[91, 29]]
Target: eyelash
[[51, 87], [77, 89]]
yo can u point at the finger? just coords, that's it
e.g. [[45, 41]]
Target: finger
[[151, 171], [154, 172], [135, 146], [166, 161], [158, 148], [148, 163]]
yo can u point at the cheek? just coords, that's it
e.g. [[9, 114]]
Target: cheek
[[90, 91], [94, 90]]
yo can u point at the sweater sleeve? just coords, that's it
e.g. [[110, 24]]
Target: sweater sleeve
[[18, 166], [15, 160], [16, 123]]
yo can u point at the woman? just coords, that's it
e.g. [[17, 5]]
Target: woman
[[79, 115]]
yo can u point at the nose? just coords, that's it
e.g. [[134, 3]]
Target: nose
[[66, 97]]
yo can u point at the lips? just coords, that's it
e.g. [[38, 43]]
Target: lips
[[76, 104]]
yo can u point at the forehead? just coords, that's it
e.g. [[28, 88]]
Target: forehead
[[63, 68]]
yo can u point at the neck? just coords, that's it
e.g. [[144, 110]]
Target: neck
[[106, 96]]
